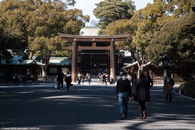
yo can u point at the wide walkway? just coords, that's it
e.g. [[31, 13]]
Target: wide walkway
[[89, 107]]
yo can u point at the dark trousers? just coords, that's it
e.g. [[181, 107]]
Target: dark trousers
[[89, 81], [68, 86], [79, 81], [142, 107], [170, 97], [60, 83]]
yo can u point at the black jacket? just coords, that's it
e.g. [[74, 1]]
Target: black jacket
[[60, 77], [143, 88], [68, 79], [123, 86]]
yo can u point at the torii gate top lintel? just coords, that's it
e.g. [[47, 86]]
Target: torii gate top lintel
[[80, 38]]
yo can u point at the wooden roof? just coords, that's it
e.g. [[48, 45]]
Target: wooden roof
[[79, 38]]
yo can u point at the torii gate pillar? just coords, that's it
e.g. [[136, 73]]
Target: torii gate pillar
[[112, 60], [74, 61]]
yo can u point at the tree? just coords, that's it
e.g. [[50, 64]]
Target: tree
[[181, 7], [41, 21], [11, 40], [124, 27], [176, 39], [109, 11], [141, 27], [13, 26], [44, 25], [146, 22]]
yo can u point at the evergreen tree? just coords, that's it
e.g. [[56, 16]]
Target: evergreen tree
[[146, 22], [109, 11], [40, 21], [176, 39]]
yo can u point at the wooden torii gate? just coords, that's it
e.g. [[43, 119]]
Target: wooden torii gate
[[78, 38]]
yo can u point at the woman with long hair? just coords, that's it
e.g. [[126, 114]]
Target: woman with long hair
[[142, 95]]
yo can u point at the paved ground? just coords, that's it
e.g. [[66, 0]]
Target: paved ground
[[88, 107]]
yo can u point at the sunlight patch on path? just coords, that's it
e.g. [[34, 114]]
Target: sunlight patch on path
[[65, 96]]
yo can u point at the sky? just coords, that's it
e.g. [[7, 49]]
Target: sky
[[88, 6]]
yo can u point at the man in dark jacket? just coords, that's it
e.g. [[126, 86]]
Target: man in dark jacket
[[60, 79], [68, 80], [142, 95], [123, 93]]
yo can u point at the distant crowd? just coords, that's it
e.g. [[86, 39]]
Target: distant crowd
[[102, 78], [18, 79]]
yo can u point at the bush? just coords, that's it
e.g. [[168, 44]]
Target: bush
[[188, 89]]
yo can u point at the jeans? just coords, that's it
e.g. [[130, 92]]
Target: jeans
[[123, 99], [60, 83]]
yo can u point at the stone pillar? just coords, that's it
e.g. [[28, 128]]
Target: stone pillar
[[112, 60], [74, 61]]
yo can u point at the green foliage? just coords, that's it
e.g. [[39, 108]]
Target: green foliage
[[188, 89], [12, 40], [176, 39], [181, 7], [109, 11], [188, 85], [40, 21], [145, 26], [59, 52]]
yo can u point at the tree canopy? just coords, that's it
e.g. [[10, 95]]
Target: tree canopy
[[109, 11], [11, 40], [40, 21], [148, 21], [176, 39]]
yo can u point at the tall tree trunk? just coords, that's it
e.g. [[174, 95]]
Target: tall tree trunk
[[30, 56], [140, 60], [45, 60], [44, 70], [133, 56]]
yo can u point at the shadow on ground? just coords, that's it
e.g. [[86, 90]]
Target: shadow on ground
[[46, 108]]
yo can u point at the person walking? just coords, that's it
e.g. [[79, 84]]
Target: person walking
[[24, 79], [60, 79], [17, 77], [20, 78], [104, 79], [68, 80], [123, 93], [83, 78], [169, 83], [79, 78], [89, 77], [14, 79], [134, 84], [143, 95]]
